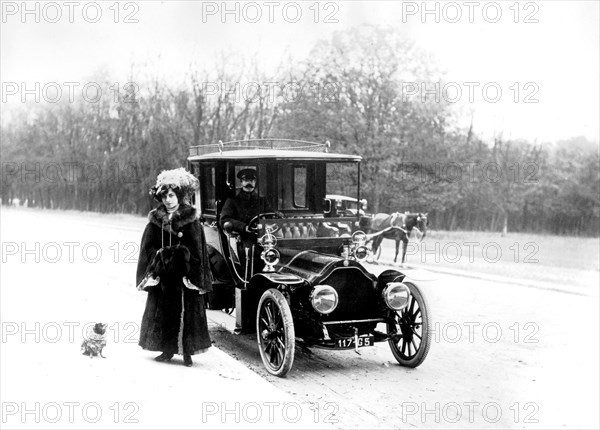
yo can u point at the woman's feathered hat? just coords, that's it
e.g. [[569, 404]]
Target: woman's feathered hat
[[179, 179]]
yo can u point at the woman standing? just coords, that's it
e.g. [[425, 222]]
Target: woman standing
[[173, 268]]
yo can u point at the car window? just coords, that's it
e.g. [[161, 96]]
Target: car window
[[292, 186], [342, 179], [207, 182], [299, 186]]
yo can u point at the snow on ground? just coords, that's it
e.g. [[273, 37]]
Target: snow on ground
[[63, 270], [541, 368]]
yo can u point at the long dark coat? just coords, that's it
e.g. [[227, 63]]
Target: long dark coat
[[174, 320], [240, 209]]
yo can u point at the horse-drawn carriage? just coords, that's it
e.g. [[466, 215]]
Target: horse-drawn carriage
[[396, 226], [310, 285]]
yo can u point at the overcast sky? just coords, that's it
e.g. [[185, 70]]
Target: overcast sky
[[550, 55]]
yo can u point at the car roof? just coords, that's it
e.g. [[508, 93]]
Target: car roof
[[274, 154], [268, 149]]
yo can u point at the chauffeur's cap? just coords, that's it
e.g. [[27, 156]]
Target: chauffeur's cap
[[247, 174]]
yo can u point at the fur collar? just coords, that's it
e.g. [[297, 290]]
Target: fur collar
[[184, 215]]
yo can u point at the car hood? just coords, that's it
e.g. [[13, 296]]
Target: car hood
[[314, 266]]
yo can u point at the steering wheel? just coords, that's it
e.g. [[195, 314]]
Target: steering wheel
[[253, 223]]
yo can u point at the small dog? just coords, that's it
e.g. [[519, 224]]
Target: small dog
[[95, 341]]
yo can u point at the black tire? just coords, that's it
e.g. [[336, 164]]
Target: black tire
[[275, 332], [413, 325]]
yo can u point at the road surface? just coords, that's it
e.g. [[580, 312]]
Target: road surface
[[503, 355]]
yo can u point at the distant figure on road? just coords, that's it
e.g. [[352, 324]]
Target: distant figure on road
[[173, 268]]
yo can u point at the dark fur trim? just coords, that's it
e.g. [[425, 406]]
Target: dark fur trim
[[184, 215], [173, 261]]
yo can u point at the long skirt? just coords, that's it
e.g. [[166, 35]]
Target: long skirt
[[174, 320]]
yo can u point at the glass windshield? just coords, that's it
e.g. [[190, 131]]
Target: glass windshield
[[302, 196], [342, 179]]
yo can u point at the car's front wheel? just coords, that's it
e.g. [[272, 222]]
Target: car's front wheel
[[410, 331], [275, 332]]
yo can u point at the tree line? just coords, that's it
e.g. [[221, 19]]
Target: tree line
[[104, 155]]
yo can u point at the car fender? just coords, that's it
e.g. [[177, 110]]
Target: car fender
[[389, 276]]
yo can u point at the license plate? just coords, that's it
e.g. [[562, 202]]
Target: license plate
[[348, 342]]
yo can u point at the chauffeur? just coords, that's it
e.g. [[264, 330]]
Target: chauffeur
[[243, 207]]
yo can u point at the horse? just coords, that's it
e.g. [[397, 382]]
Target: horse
[[397, 226]]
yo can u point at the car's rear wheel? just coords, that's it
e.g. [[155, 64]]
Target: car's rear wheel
[[410, 331], [275, 332]]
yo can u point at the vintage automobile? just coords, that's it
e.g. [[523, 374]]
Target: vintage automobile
[[311, 286], [337, 205]]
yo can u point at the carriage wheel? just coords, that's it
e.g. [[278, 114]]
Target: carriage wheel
[[275, 332], [412, 329]]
